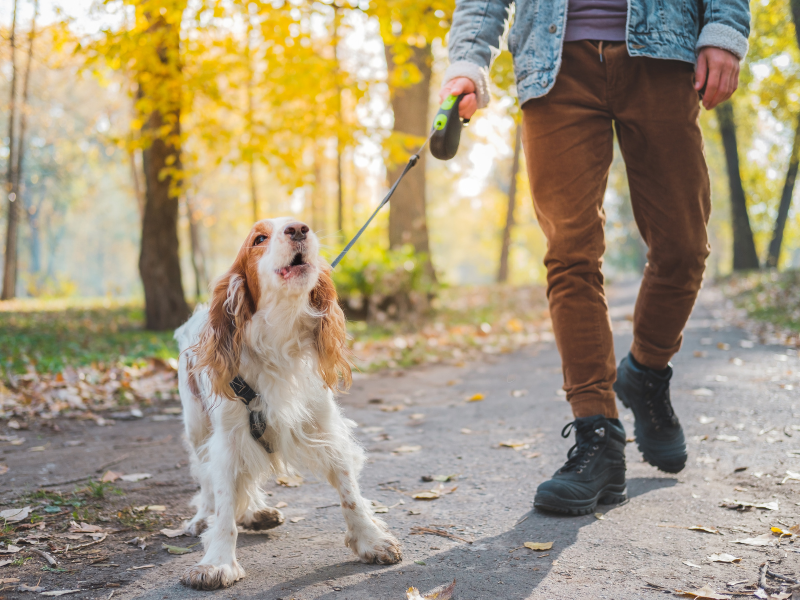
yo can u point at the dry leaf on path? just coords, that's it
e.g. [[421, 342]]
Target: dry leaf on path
[[704, 529], [395, 408], [406, 449], [443, 592], [515, 444], [10, 549], [84, 528], [110, 477], [792, 531], [539, 546], [173, 550], [476, 398], [9, 579], [599, 516], [740, 505], [141, 567], [426, 495], [724, 558], [519, 393], [703, 392], [727, 438], [704, 592], [134, 477], [691, 564], [173, 533], [3, 469], [30, 588], [296, 519], [762, 540], [289, 481], [281, 505], [13, 515], [139, 542], [791, 475], [3, 563], [59, 592]]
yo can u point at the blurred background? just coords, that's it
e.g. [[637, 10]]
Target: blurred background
[[142, 138]]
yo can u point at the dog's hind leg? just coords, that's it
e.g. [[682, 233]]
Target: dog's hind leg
[[219, 567], [259, 516]]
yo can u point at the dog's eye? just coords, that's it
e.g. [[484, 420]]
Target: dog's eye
[[260, 239]]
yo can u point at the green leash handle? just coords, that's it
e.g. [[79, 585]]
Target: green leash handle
[[447, 129]]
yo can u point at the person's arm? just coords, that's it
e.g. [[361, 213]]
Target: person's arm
[[722, 43], [473, 45]]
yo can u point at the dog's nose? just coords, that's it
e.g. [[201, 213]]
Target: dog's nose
[[296, 231]]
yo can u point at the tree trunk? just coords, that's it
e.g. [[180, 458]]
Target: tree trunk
[[10, 264], [502, 271], [407, 218], [159, 263], [774, 251], [340, 116], [744, 248], [197, 254]]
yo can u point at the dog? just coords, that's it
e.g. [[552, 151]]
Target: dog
[[274, 330]]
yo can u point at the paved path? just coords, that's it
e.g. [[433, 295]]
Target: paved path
[[744, 392]]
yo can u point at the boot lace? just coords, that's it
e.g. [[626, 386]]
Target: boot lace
[[586, 447], [659, 405]]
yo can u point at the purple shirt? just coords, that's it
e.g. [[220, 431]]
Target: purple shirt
[[596, 20]]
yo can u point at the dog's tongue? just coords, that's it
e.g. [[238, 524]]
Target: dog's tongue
[[285, 272]]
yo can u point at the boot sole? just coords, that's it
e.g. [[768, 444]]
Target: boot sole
[[667, 466], [611, 494]]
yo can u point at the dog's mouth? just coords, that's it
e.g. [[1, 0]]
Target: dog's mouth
[[297, 266]]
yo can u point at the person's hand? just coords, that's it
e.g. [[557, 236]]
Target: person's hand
[[456, 87], [718, 72]]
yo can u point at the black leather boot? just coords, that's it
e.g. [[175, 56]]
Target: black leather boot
[[594, 471], [658, 432]]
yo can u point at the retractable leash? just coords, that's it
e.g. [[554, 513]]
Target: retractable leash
[[444, 137]]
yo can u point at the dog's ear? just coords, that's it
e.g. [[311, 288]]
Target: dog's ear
[[220, 345], [330, 335]]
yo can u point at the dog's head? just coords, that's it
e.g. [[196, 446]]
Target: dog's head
[[278, 263]]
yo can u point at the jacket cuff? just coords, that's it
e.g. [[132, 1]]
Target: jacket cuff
[[723, 36], [478, 75]]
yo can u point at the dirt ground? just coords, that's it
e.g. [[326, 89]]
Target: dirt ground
[[737, 399]]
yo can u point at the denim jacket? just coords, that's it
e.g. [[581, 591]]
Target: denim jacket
[[666, 29]]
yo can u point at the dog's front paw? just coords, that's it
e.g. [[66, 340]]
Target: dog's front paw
[[375, 547], [210, 577], [267, 518]]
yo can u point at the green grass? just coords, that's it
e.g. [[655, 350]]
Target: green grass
[[772, 297], [50, 335]]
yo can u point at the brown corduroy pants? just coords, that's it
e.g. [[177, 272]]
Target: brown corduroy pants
[[568, 142]]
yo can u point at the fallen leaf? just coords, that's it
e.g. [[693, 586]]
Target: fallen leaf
[[703, 392], [3, 469], [723, 346], [10, 549], [519, 393], [416, 416], [746, 343], [110, 477], [172, 550], [289, 481], [740, 505], [412, 511], [704, 420], [762, 540], [466, 431], [533, 455], [539, 546], [134, 477], [727, 438], [700, 353], [704, 592], [599, 516], [515, 444], [156, 508], [13, 515], [84, 528], [790, 475], [36, 449], [296, 519], [9, 579], [406, 449], [476, 398], [30, 588], [691, 564], [141, 567], [783, 532], [3, 563], [281, 505], [139, 542], [426, 495], [395, 408], [421, 562], [59, 592], [704, 529], [443, 592], [173, 533], [759, 593], [724, 558]]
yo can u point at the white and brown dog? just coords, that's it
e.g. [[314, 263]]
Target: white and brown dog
[[274, 322]]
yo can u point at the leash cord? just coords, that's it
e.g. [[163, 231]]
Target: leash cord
[[411, 163]]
